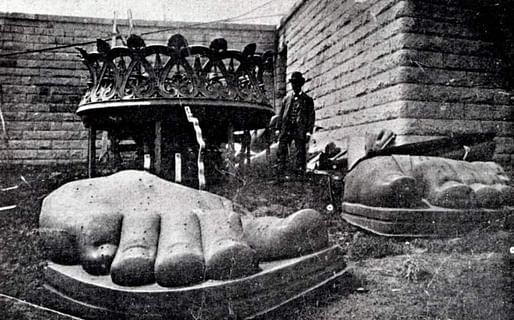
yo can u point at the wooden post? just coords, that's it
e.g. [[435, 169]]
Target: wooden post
[[147, 158], [91, 153], [230, 140], [231, 152], [247, 138], [158, 147], [114, 31]]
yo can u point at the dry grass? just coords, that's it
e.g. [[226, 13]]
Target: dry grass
[[460, 278]]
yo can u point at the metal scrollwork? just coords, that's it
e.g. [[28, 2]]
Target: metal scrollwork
[[176, 70]]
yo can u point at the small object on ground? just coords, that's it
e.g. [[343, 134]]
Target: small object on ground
[[7, 208]]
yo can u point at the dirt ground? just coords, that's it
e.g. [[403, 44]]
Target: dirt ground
[[470, 277]]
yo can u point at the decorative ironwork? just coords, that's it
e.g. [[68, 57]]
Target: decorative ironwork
[[175, 70]]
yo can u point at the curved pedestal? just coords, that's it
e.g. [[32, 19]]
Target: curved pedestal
[[429, 222], [74, 291], [239, 115], [164, 133]]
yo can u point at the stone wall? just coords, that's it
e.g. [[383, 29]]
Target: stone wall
[[417, 67], [40, 91]]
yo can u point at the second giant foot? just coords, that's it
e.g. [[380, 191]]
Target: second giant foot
[[141, 229], [402, 181]]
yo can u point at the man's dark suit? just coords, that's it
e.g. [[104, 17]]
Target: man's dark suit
[[295, 129]]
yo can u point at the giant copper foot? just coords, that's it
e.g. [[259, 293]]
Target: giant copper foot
[[403, 181], [141, 229]]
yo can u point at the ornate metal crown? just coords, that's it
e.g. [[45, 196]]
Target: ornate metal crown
[[175, 70]]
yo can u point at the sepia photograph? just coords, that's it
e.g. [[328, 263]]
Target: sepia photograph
[[265, 159]]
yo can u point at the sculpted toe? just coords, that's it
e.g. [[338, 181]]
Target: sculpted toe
[[97, 260], [180, 255], [133, 267], [181, 265], [397, 191], [134, 261], [229, 259], [487, 196], [226, 255], [276, 238], [453, 194]]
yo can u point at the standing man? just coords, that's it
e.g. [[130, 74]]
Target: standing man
[[295, 122]]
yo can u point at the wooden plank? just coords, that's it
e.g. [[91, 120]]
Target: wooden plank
[[158, 148], [91, 152]]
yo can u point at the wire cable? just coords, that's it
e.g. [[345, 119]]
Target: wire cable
[[195, 24]]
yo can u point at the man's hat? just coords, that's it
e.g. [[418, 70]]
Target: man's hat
[[297, 77]]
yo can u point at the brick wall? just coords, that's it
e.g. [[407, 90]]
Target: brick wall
[[40, 91], [417, 67], [456, 68]]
